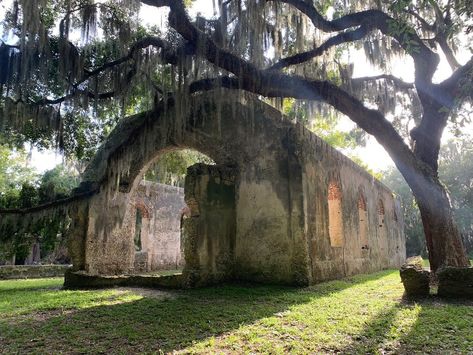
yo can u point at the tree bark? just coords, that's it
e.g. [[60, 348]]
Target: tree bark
[[443, 238], [441, 232], [442, 235]]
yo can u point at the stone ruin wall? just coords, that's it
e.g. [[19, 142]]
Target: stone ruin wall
[[279, 217], [161, 209], [371, 225]]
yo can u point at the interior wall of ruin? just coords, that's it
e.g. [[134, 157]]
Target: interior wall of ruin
[[209, 231], [109, 247], [161, 207]]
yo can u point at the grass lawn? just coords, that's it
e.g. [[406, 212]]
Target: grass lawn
[[426, 262], [362, 314]]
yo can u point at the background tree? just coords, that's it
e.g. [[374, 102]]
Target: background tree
[[14, 174], [275, 48], [22, 187]]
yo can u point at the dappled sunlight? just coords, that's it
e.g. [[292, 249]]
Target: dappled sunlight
[[440, 325], [30, 284], [361, 314], [401, 325], [330, 318], [25, 296]]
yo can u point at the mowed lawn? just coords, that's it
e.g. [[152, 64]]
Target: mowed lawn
[[362, 314]]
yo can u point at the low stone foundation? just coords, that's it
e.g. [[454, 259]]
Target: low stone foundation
[[10, 272], [415, 279], [81, 280], [455, 282]]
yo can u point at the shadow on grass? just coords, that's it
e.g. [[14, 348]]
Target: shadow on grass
[[374, 336], [441, 324], [151, 324], [429, 325]]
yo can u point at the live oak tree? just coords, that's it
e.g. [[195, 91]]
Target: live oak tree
[[276, 49], [456, 172]]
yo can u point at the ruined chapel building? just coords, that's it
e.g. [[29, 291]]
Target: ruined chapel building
[[279, 205]]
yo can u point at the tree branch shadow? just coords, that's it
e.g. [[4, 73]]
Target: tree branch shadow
[[386, 334]]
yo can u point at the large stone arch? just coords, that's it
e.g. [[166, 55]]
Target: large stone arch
[[259, 214], [249, 141]]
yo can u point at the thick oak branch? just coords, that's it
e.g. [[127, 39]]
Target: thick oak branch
[[344, 37], [398, 83], [425, 59]]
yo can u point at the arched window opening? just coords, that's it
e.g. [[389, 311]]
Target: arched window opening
[[380, 214], [171, 167], [363, 221], [141, 224], [161, 211], [335, 217], [382, 237], [138, 226]]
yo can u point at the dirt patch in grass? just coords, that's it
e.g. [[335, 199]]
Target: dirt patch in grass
[[147, 292]]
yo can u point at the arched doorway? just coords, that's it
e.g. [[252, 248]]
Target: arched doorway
[[161, 210]]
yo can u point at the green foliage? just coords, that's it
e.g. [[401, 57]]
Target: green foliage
[[404, 29], [21, 188], [323, 124], [56, 183], [14, 176], [456, 171], [171, 167], [28, 196], [363, 314]]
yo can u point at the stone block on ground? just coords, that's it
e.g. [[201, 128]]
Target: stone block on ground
[[414, 278], [455, 282], [81, 280], [9, 272]]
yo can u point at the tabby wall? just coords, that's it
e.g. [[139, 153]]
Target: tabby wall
[[368, 233], [295, 215], [161, 208]]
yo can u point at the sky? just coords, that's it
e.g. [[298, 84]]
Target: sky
[[372, 154]]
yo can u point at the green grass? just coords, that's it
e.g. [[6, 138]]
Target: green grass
[[363, 314], [426, 262]]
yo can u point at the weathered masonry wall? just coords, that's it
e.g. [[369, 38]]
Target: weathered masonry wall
[[209, 232], [280, 206], [160, 208], [370, 226], [32, 271]]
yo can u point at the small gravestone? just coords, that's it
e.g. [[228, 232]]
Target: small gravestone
[[414, 278], [456, 282]]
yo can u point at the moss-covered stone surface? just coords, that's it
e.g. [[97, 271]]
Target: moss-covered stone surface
[[456, 282], [8, 272]]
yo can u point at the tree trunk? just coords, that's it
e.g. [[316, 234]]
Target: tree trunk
[[442, 235]]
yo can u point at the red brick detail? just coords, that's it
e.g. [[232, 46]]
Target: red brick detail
[[362, 202], [334, 191], [143, 209]]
